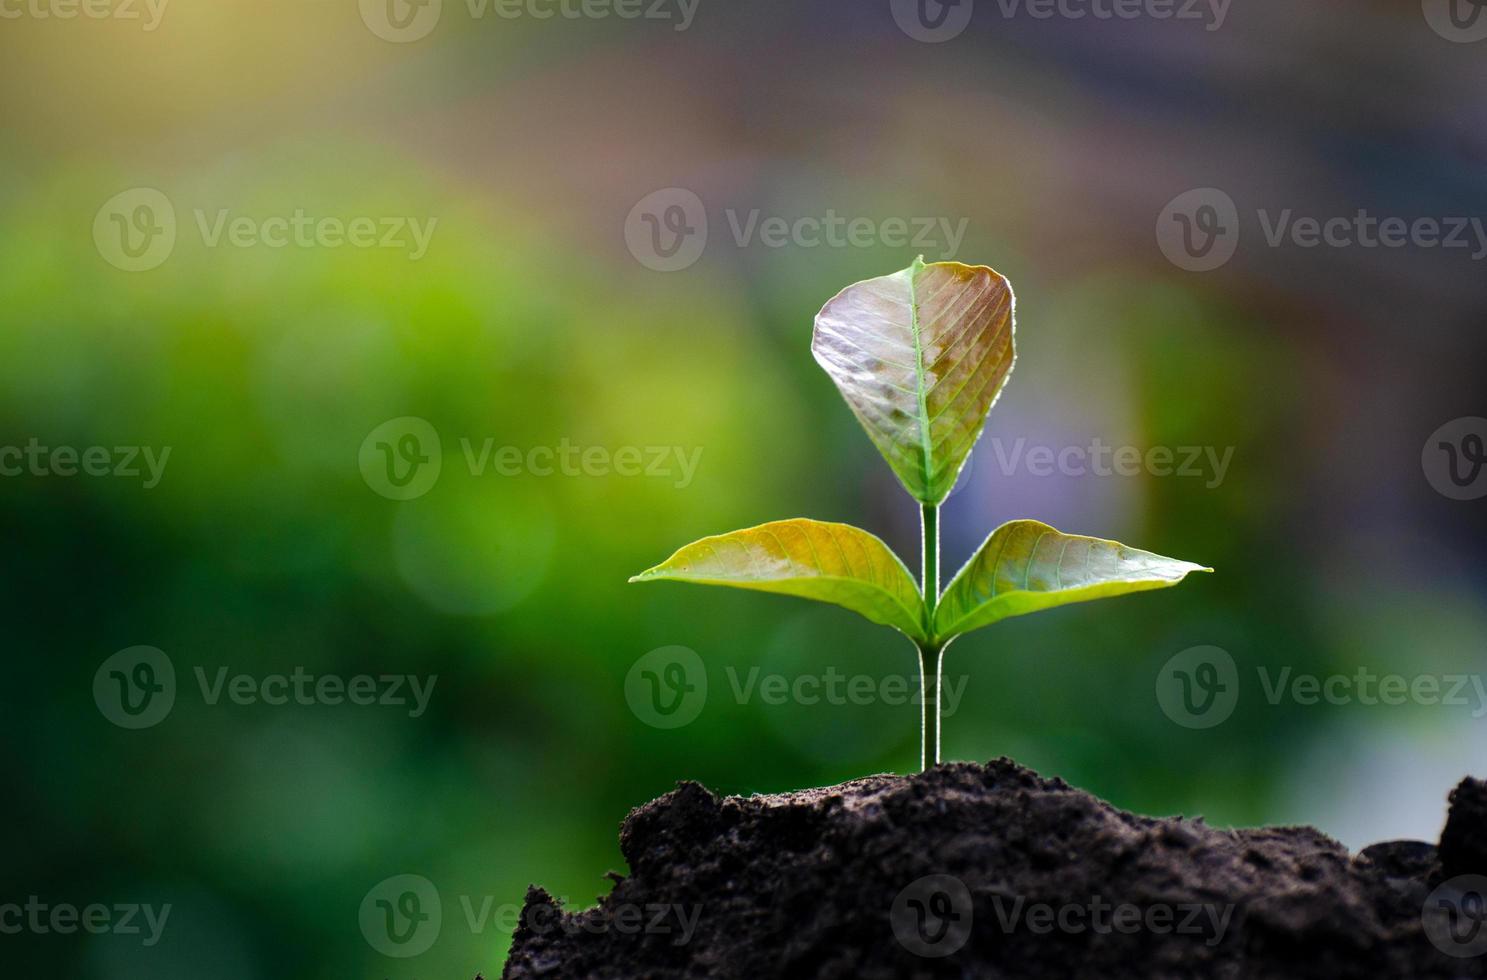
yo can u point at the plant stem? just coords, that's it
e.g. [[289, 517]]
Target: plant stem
[[929, 557], [930, 655], [930, 659]]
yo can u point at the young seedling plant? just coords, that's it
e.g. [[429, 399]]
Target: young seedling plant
[[921, 356]]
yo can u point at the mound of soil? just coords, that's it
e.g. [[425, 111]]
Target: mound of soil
[[993, 871]]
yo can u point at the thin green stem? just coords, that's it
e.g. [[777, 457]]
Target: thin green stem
[[929, 557], [930, 655], [930, 660]]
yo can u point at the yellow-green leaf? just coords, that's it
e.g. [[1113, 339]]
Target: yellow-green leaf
[[920, 356], [1025, 566], [834, 563]]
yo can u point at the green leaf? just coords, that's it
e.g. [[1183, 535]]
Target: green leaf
[[1025, 566], [834, 563], [920, 356]]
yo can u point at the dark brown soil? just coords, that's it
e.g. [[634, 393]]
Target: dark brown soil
[[993, 871]]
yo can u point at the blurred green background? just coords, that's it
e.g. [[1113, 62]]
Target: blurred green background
[[528, 321]]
